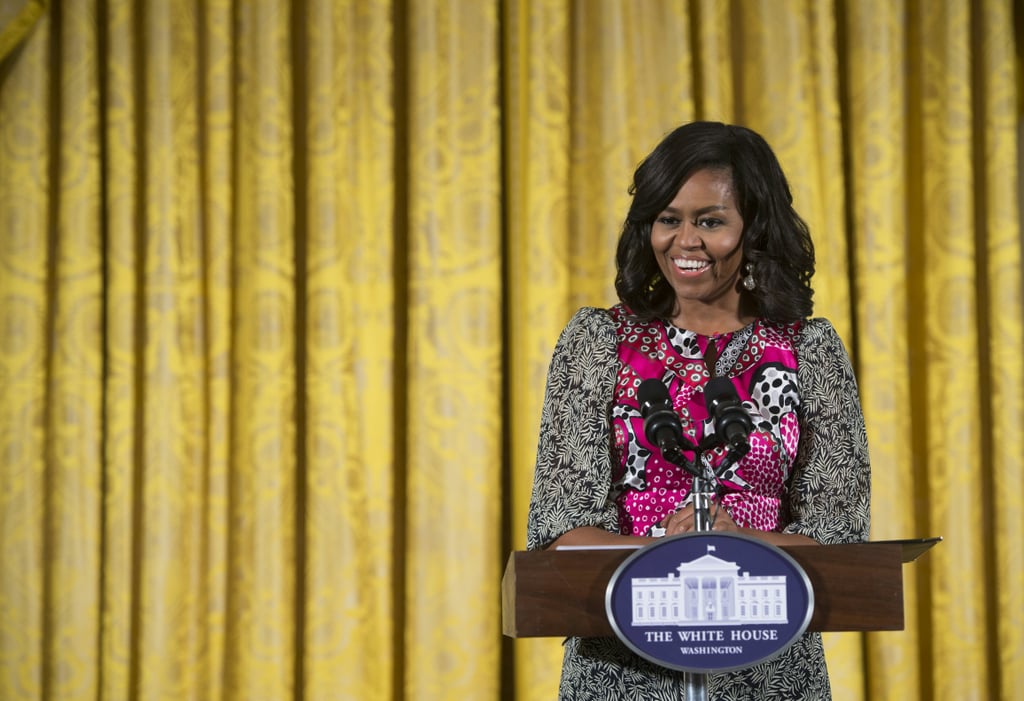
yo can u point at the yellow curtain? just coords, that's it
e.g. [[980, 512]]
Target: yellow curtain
[[279, 282]]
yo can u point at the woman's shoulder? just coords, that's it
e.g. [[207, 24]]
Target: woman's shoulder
[[591, 322], [816, 329], [586, 352], [590, 336], [592, 316], [818, 342]]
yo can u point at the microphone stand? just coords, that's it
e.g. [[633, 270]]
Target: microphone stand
[[695, 684], [701, 490], [660, 423]]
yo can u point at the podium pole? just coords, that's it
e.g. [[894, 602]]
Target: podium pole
[[695, 684]]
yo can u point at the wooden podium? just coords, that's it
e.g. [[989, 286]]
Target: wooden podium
[[857, 587]]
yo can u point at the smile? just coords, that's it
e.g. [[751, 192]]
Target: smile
[[690, 264]]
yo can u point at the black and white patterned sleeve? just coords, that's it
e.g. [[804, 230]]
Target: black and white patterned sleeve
[[830, 488], [572, 478]]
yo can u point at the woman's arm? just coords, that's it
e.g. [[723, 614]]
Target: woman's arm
[[572, 478], [592, 535], [830, 489]]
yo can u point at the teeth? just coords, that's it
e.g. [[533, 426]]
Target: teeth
[[684, 264]]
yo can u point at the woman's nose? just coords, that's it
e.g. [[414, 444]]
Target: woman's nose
[[689, 236]]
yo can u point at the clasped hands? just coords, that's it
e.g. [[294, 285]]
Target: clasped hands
[[682, 521]]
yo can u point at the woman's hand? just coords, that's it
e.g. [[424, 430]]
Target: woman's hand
[[682, 521]]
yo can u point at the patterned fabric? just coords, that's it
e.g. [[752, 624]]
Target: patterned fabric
[[761, 362], [826, 497]]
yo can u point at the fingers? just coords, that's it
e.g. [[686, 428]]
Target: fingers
[[683, 521], [678, 521], [721, 520]]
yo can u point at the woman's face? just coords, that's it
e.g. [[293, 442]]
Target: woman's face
[[697, 241]]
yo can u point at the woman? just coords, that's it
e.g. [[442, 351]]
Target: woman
[[714, 270]]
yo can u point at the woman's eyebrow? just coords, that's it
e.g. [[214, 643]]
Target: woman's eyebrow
[[703, 210]]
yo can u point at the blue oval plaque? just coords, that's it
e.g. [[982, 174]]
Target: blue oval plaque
[[709, 602]]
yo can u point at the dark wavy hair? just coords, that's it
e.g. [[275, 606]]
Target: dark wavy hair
[[775, 239]]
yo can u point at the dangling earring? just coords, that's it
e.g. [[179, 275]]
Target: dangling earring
[[654, 282], [749, 283]]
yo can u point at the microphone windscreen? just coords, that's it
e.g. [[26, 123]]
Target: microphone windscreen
[[651, 392], [717, 390]]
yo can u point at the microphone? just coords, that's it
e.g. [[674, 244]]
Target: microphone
[[661, 423], [732, 422]]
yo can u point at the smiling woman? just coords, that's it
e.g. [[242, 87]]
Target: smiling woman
[[714, 267]]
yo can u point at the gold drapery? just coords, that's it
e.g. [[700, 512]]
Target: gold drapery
[[279, 282]]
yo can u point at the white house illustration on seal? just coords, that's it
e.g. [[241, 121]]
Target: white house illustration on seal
[[709, 591]]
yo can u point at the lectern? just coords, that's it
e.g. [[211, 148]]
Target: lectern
[[857, 587]]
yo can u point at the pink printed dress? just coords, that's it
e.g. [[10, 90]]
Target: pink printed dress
[[760, 360]]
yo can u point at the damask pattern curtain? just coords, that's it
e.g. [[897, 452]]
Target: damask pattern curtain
[[279, 282]]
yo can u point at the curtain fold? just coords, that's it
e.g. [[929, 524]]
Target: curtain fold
[[878, 173], [350, 377], [537, 54], [16, 22], [279, 283], [453, 428]]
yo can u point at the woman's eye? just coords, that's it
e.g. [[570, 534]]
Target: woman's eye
[[708, 223], [668, 221]]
